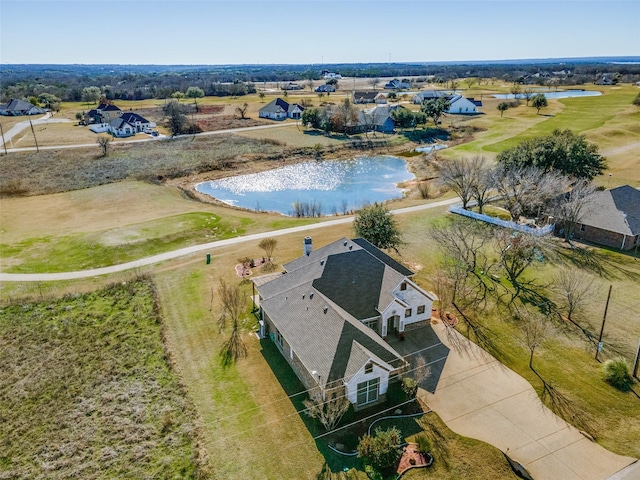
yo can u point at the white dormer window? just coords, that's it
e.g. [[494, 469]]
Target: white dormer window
[[403, 286], [368, 368]]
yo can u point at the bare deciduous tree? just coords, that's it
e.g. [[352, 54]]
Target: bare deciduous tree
[[458, 176], [242, 111], [517, 251], [329, 411], [535, 330], [526, 190], [573, 206], [104, 141], [482, 183], [233, 304], [574, 289], [528, 93]]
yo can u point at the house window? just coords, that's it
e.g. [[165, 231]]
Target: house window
[[403, 286], [372, 324], [279, 339], [368, 368], [407, 313], [582, 227], [368, 391], [420, 309]]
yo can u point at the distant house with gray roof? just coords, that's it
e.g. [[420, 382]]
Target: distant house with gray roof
[[16, 107], [457, 103], [612, 218], [278, 109], [331, 311]]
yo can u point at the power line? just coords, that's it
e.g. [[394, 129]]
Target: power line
[[293, 395], [299, 412]]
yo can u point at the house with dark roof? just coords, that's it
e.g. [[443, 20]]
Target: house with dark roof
[[326, 88], [331, 313], [140, 123], [364, 97], [278, 109], [611, 218], [396, 84], [16, 107], [103, 113], [378, 118]]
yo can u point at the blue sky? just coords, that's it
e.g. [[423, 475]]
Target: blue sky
[[308, 31]]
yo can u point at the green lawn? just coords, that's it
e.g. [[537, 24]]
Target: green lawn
[[87, 390]]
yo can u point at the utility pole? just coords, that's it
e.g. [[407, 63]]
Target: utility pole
[[34, 136], [604, 318], [5, 145], [635, 363]]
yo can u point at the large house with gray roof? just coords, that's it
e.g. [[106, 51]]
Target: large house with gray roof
[[278, 109], [16, 107], [331, 312], [611, 218]]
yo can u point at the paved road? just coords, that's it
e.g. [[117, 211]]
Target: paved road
[[40, 277], [479, 397], [152, 139], [18, 127]]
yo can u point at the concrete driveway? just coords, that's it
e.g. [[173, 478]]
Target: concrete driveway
[[478, 397]]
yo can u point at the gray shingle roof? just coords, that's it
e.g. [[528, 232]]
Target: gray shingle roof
[[321, 335], [616, 210], [318, 304], [17, 105], [131, 117]]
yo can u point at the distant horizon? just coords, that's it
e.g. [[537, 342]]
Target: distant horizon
[[312, 32], [633, 60]]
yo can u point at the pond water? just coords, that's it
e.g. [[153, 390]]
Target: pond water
[[332, 186], [558, 94]]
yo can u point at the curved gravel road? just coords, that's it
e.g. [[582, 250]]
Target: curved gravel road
[[46, 277]]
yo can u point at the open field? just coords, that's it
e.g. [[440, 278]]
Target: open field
[[79, 400]]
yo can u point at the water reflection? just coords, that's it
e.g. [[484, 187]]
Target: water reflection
[[336, 186]]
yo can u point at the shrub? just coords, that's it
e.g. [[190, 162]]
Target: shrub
[[424, 444], [616, 373], [410, 387], [636, 101], [382, 449]]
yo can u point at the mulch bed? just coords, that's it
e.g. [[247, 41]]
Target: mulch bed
[[244, 272], [411, 453]]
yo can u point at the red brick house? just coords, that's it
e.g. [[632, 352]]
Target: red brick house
[[612, 219]]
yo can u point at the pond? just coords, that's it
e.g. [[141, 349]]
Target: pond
[[317, 188], [558, 94]]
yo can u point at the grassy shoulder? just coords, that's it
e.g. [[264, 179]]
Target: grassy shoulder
[[88, 391]]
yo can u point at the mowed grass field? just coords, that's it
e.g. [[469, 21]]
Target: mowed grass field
[[88, 391], [610, 121]]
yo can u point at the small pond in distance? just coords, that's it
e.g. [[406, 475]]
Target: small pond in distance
[[558, 94], [335, 186]]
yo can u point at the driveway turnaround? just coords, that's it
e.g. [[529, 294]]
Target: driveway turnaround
[[479, 397]]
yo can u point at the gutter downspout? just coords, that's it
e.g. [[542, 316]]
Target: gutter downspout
[[624, 239]]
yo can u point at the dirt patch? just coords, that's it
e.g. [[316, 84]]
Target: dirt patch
[[224, 122]]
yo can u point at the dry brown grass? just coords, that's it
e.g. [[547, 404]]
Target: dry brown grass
[[78, 398]]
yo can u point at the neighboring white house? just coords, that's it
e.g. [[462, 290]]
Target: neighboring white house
[[140, 123], [118, 127], [291, 86], [278, 109], [457, 103], [331, 75], [460, 104], [332, 310]]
